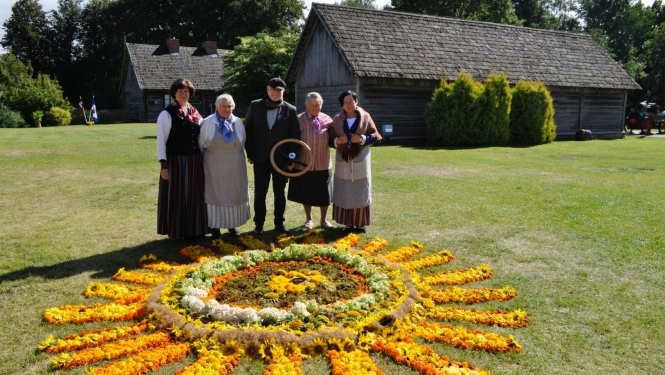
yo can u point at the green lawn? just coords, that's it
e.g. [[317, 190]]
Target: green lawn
[[578, 228]]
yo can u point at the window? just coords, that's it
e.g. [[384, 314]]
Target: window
[[167, 100]]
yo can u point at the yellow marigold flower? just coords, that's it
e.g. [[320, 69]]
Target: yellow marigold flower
[[295, 324]]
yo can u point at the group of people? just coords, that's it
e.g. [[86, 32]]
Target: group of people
[[204, 186]]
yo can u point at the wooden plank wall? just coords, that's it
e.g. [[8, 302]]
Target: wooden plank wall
[[603, 112], [323, 64], [155, 104], [132, 96], [398, 102], [566, 111]]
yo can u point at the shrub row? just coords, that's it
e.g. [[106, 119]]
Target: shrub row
[[23, 92], [470, 113]]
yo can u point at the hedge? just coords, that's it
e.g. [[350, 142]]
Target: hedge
[[531, 114], [469, 113]]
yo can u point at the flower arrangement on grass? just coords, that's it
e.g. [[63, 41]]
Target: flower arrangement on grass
[[284, 306]]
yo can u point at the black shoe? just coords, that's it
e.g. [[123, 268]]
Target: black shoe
[[347, 229], [258, 229], [215, 233], [282, 228], [234, 232], [361, 229]]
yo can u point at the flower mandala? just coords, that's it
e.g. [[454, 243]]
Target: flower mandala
[[284, 306]]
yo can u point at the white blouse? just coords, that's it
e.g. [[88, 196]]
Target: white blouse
[[163, 131]]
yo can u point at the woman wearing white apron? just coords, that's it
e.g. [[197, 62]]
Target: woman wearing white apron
[[352, 132]]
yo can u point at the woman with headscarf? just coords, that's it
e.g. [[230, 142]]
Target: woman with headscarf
[[181, 209], [314, 188], [351, 133], [222, 140]]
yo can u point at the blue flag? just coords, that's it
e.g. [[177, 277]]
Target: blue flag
[[93, 111]]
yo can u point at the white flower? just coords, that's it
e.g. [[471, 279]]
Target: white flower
[[192, 303], [248, 315], [196, 292], [210, 305], [223, 313], [299, 309], [273, 313]]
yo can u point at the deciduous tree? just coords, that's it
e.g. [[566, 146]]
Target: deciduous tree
[[25, 32], [500, 11], [254, 61]]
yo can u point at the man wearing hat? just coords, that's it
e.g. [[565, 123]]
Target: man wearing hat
[[269, 120]]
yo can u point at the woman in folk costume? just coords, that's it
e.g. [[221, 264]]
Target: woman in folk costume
[[351, 133], [181, 209], [314, 188], [222, 140]]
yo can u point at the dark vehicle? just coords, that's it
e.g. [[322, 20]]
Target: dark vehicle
[[636, 121]]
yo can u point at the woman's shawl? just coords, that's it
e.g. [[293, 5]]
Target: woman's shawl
[[209, 127], [365, 127]]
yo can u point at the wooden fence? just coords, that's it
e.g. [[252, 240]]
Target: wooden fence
[[105, 116]]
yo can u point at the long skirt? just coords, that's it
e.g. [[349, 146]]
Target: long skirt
[[314, 188], [359, 217], [228, 217], [181, 210]]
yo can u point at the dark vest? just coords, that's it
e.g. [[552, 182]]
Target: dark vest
[[184, 137]]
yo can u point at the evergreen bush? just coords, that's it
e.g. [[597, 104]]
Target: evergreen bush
[[10, 119], [453, 111], [57, 116], [469, 113], [531, 114], [494, 111]]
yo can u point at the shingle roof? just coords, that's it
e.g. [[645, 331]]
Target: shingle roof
[[156, 69], [389, 44]]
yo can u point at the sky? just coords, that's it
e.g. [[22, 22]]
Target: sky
[[47, 5]]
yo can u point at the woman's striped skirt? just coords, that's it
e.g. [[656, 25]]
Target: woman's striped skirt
[[181, 210], [359, 217]]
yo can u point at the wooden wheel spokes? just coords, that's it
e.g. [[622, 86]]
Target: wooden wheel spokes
[[291, 158]]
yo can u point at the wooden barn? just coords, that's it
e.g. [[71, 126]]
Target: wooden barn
[[149, 70], [394, 61]]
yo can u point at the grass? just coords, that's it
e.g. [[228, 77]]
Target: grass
[[576, 227]]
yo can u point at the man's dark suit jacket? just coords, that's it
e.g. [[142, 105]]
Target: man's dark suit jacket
[[261, 139]]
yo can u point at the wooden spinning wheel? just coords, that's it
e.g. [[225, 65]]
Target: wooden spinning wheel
[[291, 158]]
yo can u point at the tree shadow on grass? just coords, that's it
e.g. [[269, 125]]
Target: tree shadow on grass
[[107, 264]]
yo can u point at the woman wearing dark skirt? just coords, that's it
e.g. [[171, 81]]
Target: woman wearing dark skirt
[[181, 211], [314, 188], [351, 133]]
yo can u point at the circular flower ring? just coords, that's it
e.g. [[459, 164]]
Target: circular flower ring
[[385, 294]]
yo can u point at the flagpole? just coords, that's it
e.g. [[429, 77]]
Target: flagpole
[[82, 108]]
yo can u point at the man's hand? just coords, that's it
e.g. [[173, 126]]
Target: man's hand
[[291, 166]]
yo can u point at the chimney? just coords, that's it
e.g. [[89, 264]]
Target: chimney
[[210, 47], [173, 45]]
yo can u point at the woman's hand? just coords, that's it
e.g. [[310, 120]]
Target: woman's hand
[[165, 174], [355, 138], [342, 140]]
